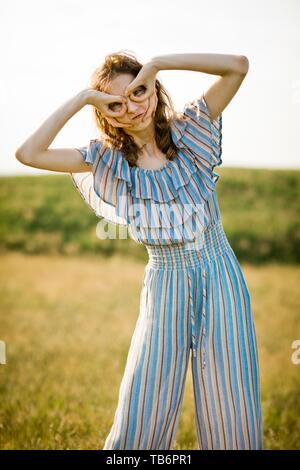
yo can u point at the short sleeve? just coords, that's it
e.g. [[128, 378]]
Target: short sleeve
[[204, 134], [83, 151], [101, 190], [89, 153]]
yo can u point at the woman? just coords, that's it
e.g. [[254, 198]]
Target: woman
[[152, 171]]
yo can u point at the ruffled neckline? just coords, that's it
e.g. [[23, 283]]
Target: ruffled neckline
[[160, 184], [114, 158], [113, 188], [152, 170]]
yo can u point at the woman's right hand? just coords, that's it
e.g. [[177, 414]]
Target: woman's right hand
[[111, 106]]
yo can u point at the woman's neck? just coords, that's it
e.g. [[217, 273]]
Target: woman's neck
[[145, 138]]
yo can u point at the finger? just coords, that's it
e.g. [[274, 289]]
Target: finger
[[120, 112], [132, 86], [138, 99], [115, 122], [143, 96], [116, 98]]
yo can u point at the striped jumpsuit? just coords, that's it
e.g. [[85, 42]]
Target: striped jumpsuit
[[194, 298]]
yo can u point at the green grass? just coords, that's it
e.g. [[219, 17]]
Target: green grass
[[67, 323], [46, 214]]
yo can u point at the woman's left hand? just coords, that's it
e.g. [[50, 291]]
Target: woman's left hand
[[145, 78]]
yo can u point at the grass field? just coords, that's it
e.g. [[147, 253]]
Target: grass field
[[67, 324]]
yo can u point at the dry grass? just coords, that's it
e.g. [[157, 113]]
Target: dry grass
[[67, 325]]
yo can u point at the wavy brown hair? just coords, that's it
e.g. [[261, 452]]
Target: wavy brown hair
[[124, 62]]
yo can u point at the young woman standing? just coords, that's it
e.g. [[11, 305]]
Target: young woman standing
[[152, 170]]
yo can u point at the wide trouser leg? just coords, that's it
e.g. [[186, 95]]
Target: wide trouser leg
[[152, 388], [225, 370]]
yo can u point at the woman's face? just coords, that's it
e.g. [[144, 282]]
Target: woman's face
[[132, 109]]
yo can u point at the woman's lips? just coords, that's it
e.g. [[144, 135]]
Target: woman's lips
[[139, 116]]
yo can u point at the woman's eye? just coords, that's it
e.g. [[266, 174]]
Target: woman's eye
[[115, 106], [140, 90]]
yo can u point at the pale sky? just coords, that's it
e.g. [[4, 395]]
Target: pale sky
[[50, 48]]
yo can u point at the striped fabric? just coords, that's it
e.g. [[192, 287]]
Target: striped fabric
[[194, 298], [163, 206]]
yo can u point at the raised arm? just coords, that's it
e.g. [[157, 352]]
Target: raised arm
[[231, 68], [34, 151]]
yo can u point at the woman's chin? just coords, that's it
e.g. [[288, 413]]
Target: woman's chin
[[141, 125]]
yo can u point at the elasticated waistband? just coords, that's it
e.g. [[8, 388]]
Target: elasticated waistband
[[212, 243]]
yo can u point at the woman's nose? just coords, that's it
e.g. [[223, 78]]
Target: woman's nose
[[132, 107]]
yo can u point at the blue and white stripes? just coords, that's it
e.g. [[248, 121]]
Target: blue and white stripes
[[194, 299], [160, 206]]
